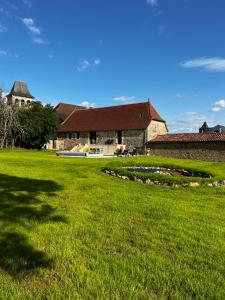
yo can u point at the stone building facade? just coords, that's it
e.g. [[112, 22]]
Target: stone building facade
[[196, 146], [128, 126], [19, 95]]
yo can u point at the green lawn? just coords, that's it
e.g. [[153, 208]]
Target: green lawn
[[69, 231]]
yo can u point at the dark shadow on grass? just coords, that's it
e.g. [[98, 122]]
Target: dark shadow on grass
[[19, 199], [19, 203], [18, 257]]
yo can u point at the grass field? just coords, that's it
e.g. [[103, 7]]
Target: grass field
[[69, 231]]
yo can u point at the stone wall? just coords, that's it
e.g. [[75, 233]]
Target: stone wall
[[156, 128], [211, 151], [133, 138], [66, 143], [18, 101], [130, 138], [103, 137]]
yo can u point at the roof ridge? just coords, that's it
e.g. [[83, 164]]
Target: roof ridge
[[114, 106], [151, 106], [69, 104], [196, 133], [68, 116], [189, 137]]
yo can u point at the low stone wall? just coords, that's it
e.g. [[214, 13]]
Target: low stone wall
[[210, 151]]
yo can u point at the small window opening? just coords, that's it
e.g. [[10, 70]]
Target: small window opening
[[119, 137], [93, 137]]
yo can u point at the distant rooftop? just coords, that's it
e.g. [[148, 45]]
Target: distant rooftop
[[206, 129], [20, 89], [189, 138], [63, 110]]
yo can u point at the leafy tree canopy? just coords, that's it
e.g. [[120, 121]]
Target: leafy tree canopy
[[40, 123]]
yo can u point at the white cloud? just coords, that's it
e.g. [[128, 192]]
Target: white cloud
[[39, 40], [87, 104], [97, 61], [188, 122], [2, 28], [218, 105], [28, 3], [85, 64], [213, 64], [29, 23], [181, 96], [4, 53], [152, 3], [4, 94], [34, 31], [124, 98]]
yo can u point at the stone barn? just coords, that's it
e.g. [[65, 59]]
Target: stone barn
[[109, 128]]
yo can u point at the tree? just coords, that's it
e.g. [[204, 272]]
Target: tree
[[40, 122], [9, 121]]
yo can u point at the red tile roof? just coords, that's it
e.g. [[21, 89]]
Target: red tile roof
[[63, 110], [120, 117], [189, 138]]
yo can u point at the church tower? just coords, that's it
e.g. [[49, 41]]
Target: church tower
[[19, 95]]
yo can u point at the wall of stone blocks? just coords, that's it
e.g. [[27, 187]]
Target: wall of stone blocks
[[130, 138], [134, 138], [156, 128], [65, 143], [209, 151], [103, 137]]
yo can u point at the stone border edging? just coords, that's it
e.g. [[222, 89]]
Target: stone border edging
[[157, 182]]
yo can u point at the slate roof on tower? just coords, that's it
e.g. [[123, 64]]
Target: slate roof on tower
[[20, 89], [120, 117]]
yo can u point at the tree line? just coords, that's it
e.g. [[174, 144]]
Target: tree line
[[27, 127]]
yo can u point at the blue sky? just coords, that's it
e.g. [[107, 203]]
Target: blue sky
[[108, 52]]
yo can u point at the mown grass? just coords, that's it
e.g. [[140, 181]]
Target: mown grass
[[69, 231]]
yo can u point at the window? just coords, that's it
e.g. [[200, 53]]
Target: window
[[119, 137], [17, 102], [62, 135], [28, 102], [74, 135], [141, 115], [22, 102], [93, 137]]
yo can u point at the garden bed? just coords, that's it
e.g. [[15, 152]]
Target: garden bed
[[173, 175]]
